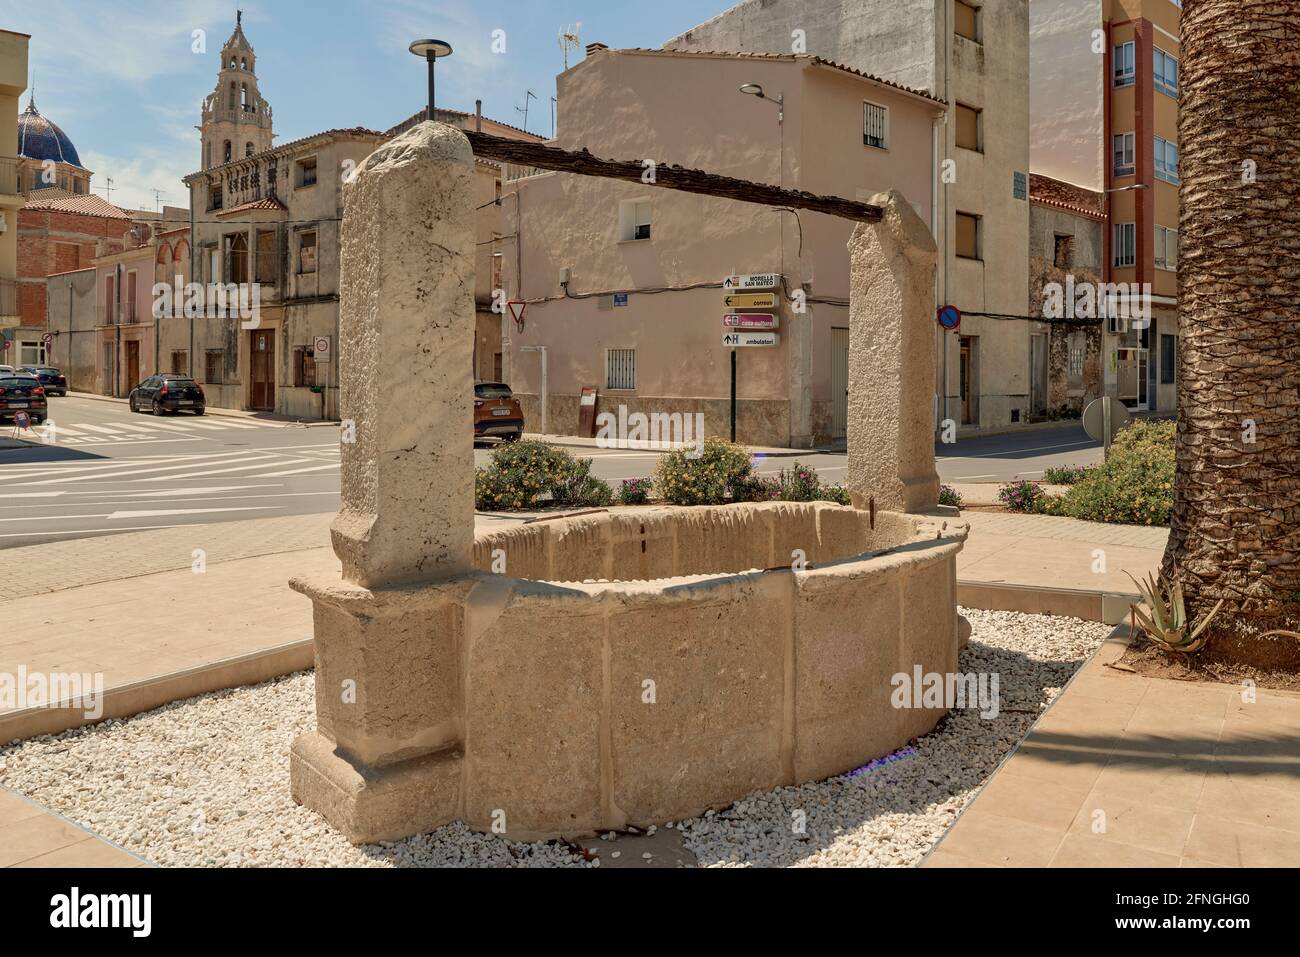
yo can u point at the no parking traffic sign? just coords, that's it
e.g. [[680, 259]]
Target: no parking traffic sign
[[950, 317]]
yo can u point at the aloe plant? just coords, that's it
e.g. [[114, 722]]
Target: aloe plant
[[1165, 622]]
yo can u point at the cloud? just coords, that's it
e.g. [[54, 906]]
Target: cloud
[[113, 42], [135, 177]]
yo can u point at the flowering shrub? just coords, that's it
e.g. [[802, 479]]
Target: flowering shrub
[[634, 491], [1021, 496], [709, 478], [949, 496], [524, 474]]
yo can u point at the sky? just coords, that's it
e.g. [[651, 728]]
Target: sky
[[123, 81]]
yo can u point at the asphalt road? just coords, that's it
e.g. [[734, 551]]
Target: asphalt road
[[111, 471]]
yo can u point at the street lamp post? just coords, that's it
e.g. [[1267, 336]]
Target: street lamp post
[[431, 51]]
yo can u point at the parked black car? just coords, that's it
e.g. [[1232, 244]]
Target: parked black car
[[167, 393], [52, 380], [22, 393]]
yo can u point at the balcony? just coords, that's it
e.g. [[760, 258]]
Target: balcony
[[8, 299]]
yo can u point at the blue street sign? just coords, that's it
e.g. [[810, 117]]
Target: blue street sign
[[950, 317]]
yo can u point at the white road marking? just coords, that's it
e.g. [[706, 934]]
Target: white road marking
[[103, 430], [158, 513], [255, 459], [34, 495], [317, 468], [171, 492], [100, 531], [260, 463]]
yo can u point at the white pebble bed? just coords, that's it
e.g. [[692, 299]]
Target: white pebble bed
[[204, 782]]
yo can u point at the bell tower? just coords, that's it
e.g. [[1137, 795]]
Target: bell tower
[[236, 119]]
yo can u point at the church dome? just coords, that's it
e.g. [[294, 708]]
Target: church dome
[[39, 139]]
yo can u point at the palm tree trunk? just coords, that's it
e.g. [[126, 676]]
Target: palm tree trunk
[[1235, 531]]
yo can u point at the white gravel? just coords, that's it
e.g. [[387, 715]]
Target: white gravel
[[204, 782]]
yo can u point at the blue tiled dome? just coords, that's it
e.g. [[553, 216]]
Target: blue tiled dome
[[39, 139]]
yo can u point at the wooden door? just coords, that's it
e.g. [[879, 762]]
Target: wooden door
[[132, 365], [262, 369]]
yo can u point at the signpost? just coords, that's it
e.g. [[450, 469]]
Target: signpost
[[751, 320], [739, 339], [765, 280], [320, 349], [757, 300], [1103, 418]]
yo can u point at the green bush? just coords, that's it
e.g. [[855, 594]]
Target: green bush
[[1136, 484], [950, 496], [524, 474], [712, 477], [634, 491], [1065, 474]]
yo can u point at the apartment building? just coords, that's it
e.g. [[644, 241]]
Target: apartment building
[[973, 56], [1104, 116], [13, 81], [624, 283]]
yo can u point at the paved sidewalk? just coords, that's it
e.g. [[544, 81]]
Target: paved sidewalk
[[1127, 771], [31, 836], [1062, 552], [57, 566]]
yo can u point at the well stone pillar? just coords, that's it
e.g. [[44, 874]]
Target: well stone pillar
[[406, 330], [891, 361], [385, 760]]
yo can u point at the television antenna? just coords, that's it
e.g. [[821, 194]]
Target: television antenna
[[529, 95], [569, 38]]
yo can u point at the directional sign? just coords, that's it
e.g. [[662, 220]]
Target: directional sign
[[740, 339], [765, 280], [758, 300], [750, 320]]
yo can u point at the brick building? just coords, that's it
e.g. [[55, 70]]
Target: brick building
[[58, 232]]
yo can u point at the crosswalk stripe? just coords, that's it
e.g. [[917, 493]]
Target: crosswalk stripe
[[63, 429], [104, 430], [132, 426]]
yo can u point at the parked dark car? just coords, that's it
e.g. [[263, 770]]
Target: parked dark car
[[22, 393], [160, 394], [497, 413], [52, 380]]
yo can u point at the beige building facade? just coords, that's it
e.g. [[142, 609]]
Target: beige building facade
[[13, 81], [973, 56], [624, 284]]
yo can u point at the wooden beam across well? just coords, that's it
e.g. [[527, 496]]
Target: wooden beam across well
[[541, 156]]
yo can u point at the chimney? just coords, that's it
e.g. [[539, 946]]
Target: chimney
[[593, 48], [478, 116]]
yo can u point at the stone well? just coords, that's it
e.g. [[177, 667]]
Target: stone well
[[629, 667], [703, 668]]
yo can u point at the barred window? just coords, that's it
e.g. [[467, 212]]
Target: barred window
[[212, 366], [304, 367], [620, 367], [875, 126]]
